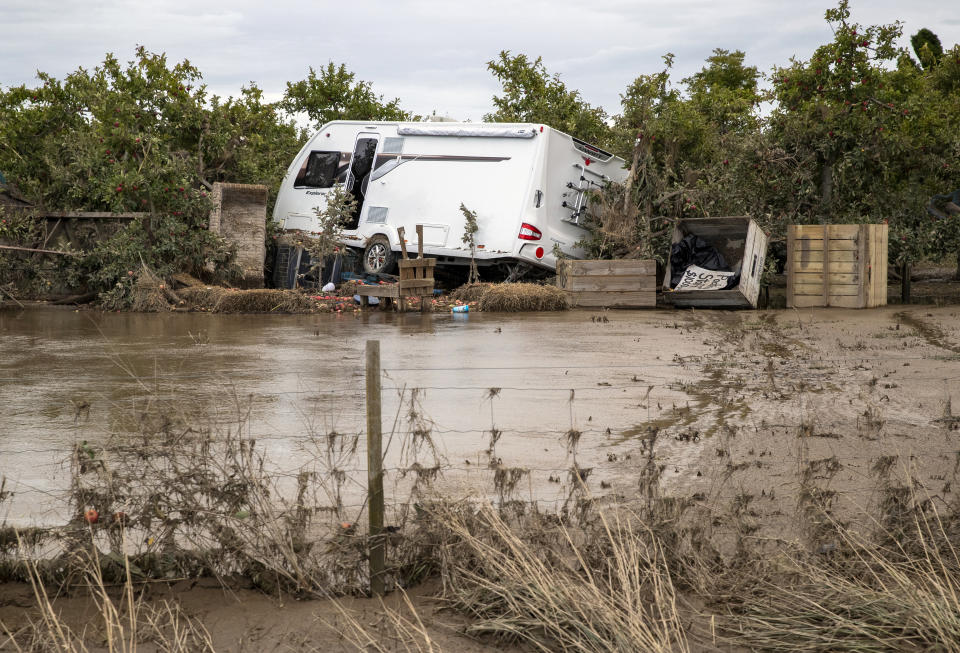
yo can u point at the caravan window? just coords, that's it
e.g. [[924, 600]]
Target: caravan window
[[318, 171]]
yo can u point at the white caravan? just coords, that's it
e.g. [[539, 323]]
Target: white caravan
[[527, 184]]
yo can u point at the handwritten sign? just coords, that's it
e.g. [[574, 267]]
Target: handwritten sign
[[697, 278]]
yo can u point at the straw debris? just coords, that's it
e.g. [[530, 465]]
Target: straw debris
[[147, 296], [227, 300], [511, 297], [521, 297], [471, 292], [151, 294]]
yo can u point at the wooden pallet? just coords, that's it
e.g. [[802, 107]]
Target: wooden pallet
[[416, 279]]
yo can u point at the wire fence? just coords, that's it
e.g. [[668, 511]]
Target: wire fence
[[543, 421]]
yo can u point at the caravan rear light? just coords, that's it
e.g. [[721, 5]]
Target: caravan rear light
[[539, 252], [529, 232]]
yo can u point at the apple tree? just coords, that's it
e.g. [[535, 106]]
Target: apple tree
[[871, 139], [531, 94], [141, 137], [336, 94]]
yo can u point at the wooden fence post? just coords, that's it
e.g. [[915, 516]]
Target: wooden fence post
[[375, 469], [905, 272]]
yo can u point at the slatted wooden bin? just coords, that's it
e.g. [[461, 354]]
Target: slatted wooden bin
[[416, 279], [612, 284], [744, 247], [842, 265]]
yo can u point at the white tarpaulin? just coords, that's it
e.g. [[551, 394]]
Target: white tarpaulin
[[697, 278], [435, 129]]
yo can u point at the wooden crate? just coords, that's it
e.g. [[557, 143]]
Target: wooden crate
[[611, 284], [841, 265], [416, 279], [742, 242]]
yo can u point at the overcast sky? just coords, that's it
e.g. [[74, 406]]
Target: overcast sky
[[432, 54]]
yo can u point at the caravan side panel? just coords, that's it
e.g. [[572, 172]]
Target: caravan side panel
[[435, 175]]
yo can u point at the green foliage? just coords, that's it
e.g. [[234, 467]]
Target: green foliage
[[725, 92], [945, 77], [926, 45], [144, 137], [530, 94], [329, 238], [17, 226], [856, 133], [679, 144], [335, 94], [470, 229], [870, 139]]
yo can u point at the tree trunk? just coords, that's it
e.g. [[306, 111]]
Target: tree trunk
[[631, 179], [826, 186]]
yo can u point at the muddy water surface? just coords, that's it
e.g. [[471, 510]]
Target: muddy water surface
[[68, 377]]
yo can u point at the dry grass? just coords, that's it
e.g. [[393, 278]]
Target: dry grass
[[147, 297], [471, 292], [226, 300], [512, 297], [522, 297], [182, 279], [893, 591], [544, 584], [398, 630], [147, 294], [202, 500], [122, 623], [585, 578]]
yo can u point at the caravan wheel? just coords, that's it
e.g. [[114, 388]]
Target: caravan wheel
[[378, 258]]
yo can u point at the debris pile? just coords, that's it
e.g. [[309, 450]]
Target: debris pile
[[261, 300], [512, 297]]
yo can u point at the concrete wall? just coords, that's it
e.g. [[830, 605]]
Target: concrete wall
[[239, 214]]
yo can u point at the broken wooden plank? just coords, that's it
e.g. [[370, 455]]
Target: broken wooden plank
[[38, 251], [613, 299], [93, 215], [630, 267], [595, 283]]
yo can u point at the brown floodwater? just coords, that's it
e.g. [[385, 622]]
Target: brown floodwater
[[68, 377]]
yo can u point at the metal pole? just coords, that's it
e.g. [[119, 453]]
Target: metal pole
[[375, 468]]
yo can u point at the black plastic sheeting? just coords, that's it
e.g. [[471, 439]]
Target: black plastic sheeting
[[694, 250]]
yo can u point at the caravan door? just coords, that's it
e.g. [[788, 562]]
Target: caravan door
[[358, 176]]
